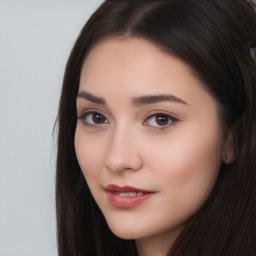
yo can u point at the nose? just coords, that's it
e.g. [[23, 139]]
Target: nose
[[123, 152]]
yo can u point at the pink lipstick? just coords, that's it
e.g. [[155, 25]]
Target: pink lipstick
[[127, 196]]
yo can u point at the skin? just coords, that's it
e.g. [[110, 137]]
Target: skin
[[178, 158]]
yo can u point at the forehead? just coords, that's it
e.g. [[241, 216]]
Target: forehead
[[133, 67]]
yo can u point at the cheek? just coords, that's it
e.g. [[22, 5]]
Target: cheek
[[187, 169], [89, 154]]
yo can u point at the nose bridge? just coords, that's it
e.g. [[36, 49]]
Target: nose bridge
[[122, 152]]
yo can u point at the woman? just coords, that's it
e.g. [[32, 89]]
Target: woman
[[156, 146]]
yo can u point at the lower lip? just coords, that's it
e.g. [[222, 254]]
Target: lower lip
[[126, 201]]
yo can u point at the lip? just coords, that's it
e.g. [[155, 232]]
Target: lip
[[116, 188], [121, 201]]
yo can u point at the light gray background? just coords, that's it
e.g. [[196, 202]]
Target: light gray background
[[35, 40]]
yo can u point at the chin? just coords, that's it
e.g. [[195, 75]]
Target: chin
[[125, 232]]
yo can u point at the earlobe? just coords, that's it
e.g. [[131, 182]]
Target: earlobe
[[228, 154]]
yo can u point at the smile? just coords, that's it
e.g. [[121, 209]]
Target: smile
[[128, 193], [126, 197]]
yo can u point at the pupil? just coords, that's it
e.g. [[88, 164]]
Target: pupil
[[161, 120], [97, 118]]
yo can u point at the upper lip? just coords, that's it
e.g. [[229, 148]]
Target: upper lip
[[116, 188]]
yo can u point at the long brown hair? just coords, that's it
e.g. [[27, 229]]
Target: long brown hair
[[214, 37]]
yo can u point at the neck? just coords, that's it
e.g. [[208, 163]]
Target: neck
[[156, 245]]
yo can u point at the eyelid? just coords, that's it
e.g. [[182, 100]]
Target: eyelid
[[173, 121], [89, 112], [172, 118], [83, 109]]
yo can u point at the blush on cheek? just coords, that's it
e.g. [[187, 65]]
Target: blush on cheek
[[190, 173], [87, 164], [83, 153]]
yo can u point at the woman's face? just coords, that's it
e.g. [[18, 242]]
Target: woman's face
[[146, 126]]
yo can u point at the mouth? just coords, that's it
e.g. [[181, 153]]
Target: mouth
[[128, 193], [127, 196]]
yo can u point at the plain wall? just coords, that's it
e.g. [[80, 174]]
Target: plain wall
[[35, 40]]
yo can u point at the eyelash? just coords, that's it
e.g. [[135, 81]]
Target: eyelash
[[171, 120], [87, 114]]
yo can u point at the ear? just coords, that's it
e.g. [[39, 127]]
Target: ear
[[228, 154]]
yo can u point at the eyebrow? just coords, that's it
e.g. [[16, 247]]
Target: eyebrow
[[151, 99], [91, 97], [138, 101]]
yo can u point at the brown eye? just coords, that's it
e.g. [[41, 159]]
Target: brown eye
[[93, 118], [160, 121], [98, 118]]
